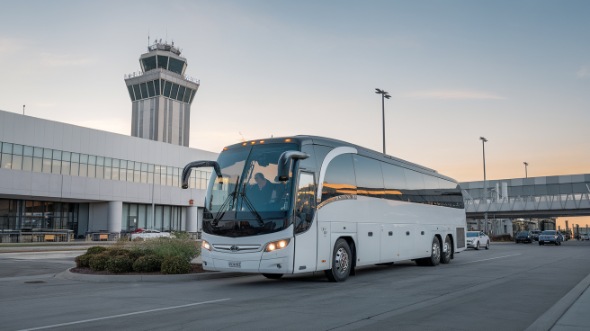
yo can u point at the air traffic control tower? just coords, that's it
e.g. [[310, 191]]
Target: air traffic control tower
[[161, 95]]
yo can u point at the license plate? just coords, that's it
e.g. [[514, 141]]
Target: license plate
[[233, 264]]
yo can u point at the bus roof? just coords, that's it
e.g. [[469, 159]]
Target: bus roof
[[329, 142]]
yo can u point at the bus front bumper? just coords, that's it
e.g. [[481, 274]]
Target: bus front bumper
[[271, 263]]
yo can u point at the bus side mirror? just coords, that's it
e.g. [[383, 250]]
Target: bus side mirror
[[186, 172], [285, 163]]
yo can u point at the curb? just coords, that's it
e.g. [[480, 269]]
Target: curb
[[552, 316], [68, 275]]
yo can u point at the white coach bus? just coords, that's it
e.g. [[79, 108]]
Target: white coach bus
[[303, 204]]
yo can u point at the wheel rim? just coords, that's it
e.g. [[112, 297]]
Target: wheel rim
[[341, 260], [436, 250], [446, 249]]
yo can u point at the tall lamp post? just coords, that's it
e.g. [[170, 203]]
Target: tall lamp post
[[526, 173], [485, 183], [384, 95]]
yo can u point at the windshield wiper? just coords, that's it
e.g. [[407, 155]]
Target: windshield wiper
[[231, 197], [251, 207]]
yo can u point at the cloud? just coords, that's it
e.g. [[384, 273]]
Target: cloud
[[583, 72], [58, 60], [455, 95], [11, 45]]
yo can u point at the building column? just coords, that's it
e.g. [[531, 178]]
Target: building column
[[115, 216], [192, 219]]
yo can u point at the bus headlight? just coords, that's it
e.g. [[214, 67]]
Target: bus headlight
[[276, 245], [206, 245]]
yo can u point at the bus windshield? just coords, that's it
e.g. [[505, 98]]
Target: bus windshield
[[248, 199]]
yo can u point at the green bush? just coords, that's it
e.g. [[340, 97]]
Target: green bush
[[83, 261], [96, 250], [119, 263], [116, 251], [175, 265], [182, 235], [166, 247], [147, 263], [98, 262]]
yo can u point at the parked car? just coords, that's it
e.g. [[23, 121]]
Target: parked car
[[584, 236], [535, 234], [523, 237], [148, 234], [477, 239], [550, 237]]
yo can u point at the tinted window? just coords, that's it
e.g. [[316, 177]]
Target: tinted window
[[339, 179], [149, 63], [394, 180], [304, 202], [369, 179], [180, 93], [176, 66], [174, 91], [162, 61]]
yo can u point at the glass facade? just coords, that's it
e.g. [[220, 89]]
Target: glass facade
[[32, 215], [139, 216], [52, 161], [161, 87]]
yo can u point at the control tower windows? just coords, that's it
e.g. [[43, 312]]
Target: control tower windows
[[176, 66], [149, 63]]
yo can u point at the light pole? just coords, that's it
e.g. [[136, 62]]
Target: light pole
[[384, 95], [526, 174], [485, 183]]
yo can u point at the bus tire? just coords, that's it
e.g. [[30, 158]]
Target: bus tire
[[447, 251], [434, 258], [273, 276], [341, 262]]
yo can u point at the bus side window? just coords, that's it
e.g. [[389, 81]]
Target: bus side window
[[305, 202], [340, 178]]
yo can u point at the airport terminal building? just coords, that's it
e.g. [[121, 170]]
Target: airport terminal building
[[61, 181], [61, 178]]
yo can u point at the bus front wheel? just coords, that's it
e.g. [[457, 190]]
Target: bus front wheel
[[341, 262]]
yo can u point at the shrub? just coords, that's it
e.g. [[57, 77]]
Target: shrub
[[83, 261], [119, 264], [165, 247], [96, 250], [175, 265], [98, 262], [182, 235], [116, 251], [147, 263]]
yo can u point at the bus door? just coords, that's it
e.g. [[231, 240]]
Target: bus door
[[305, 227]]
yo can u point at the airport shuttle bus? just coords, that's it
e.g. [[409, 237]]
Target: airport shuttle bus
[[304, 204]]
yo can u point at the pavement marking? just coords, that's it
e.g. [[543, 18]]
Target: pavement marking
[[124, 315], [492, 258]]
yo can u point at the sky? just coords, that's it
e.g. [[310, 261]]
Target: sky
[[514, 72]]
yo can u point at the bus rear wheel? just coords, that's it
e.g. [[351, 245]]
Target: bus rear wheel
[[341, 262], [447, 251], [273, 276]]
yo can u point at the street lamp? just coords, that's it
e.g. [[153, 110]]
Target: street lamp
[[485, 183], [384, 95], [526, 174]]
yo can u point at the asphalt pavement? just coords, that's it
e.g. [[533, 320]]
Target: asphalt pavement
[[54, 259]]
